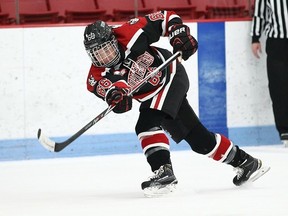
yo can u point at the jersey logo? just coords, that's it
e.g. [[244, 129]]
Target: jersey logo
[[156, 16], [92, 81], [141, 68], [176, 32], [90, 36], [133, 21]]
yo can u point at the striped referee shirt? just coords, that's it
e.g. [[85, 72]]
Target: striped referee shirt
[[271, 17]]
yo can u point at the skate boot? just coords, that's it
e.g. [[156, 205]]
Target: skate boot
[[249, 171], [162, 182]]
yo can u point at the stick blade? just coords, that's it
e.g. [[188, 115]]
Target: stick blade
[[45, 141]]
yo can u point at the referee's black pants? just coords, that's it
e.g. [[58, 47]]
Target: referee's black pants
[[277, 69]]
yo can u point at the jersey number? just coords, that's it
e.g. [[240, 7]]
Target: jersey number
[[102, 86]]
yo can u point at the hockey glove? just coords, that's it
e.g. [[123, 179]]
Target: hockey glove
[[118, 97], [181, 40]]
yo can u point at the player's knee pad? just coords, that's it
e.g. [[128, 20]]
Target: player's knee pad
[[175, 128], [185, 122], [149, 119]]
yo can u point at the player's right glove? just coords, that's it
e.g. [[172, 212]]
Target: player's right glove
[[118, 97], [182, 40]]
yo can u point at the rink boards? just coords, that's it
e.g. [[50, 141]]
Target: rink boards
[[43, 75]]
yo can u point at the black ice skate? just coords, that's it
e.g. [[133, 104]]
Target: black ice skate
[[249, 171], [162, 182]]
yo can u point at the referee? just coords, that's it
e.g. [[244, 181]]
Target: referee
[[271, 17]]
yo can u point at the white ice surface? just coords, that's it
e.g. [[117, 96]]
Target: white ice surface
[[110, 185]]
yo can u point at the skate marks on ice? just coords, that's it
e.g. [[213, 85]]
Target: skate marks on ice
[[111, 185]]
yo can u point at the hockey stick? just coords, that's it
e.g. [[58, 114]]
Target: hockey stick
[[53, 146]]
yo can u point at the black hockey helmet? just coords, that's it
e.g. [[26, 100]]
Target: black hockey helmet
[[99, 36]]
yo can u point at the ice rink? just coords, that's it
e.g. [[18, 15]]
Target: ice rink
[[110, 185]]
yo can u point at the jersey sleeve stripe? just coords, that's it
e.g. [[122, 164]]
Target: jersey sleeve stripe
[[132, 41]]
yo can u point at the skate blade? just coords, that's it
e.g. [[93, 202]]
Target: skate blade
[[259, 173], [155, 191]]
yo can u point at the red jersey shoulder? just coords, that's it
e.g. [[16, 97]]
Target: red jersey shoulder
[[125, 32]]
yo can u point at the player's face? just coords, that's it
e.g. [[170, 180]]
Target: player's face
[[105, 54]]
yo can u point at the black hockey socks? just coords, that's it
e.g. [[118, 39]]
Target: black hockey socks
[[158, 158]]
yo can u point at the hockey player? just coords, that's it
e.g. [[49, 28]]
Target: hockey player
[[122, 56]]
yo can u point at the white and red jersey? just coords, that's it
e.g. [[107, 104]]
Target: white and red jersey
[[135, 38]]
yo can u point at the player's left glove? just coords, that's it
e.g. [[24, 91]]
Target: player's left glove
[[118, 96], [181, 40]]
